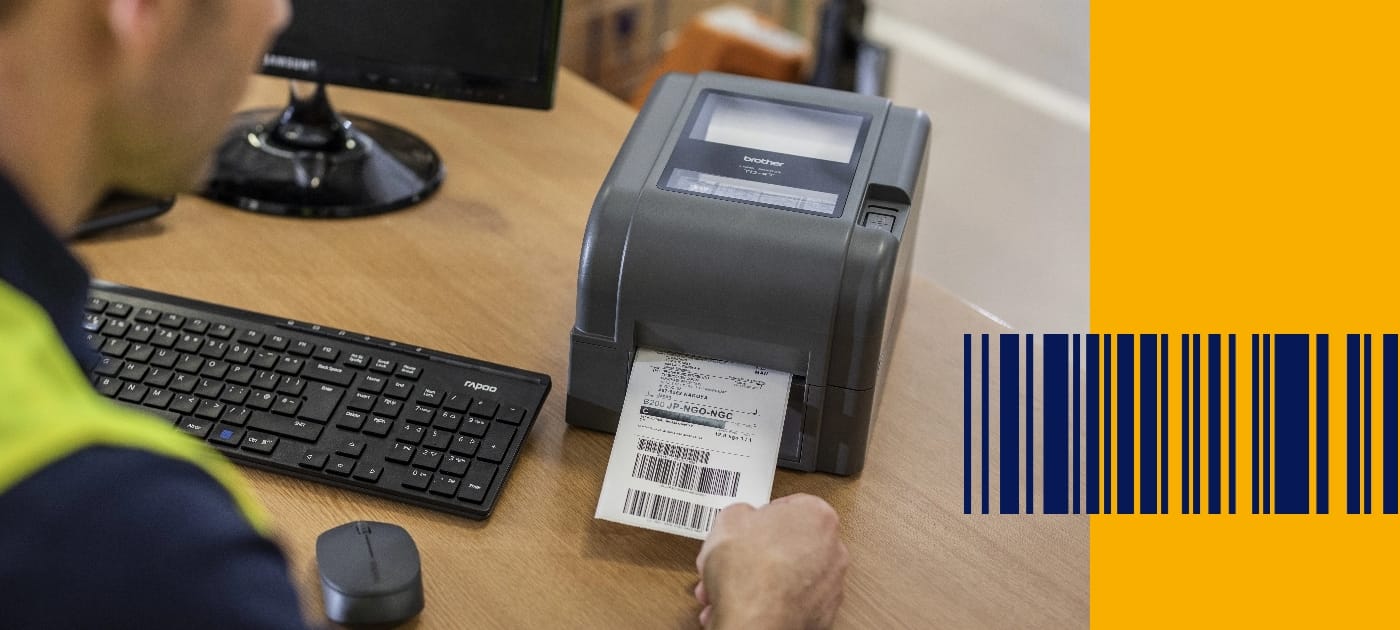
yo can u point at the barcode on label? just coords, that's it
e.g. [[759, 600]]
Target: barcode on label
[[671, 450], [668, 510], [704, 479]]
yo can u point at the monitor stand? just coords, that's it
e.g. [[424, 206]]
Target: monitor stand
[[307, 160]]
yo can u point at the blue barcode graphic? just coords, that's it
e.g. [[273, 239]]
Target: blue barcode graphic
[[1188, 424]]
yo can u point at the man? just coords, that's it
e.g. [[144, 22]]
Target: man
[[109, 518]]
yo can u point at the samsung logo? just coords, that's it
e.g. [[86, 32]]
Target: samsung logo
[[762, 161], [479, 386], [295, 64]]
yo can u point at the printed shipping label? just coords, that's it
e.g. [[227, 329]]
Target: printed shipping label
[[695, 435]]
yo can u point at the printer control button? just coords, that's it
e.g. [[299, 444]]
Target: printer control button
[[879, 220]]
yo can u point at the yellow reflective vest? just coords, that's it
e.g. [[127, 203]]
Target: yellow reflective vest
[[48, 410]]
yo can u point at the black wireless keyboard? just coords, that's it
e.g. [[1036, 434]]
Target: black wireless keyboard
[[382, 417]]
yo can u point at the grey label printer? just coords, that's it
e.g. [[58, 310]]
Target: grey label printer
[[765, 223]]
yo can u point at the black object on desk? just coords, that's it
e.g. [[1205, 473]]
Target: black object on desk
[[370, 573], [118, 209]]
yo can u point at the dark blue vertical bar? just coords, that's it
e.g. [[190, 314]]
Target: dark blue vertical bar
[[1388, 425], [1232, 424], [1030, 424], [967, 424], [1353, 424], [1010, 436], [1254, 419], [1162, 436], [986, 422], [1091, 425], [1186, 424], [1195, 424], [1077, 460], [1366, 429], [1056, 424], [1291, 425], [1126, 418], [1323, 439], [1147, 425], [1266, 420], [1108, 424], [1213, 418]]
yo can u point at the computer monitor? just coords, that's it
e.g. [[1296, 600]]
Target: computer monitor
[[308, 160]]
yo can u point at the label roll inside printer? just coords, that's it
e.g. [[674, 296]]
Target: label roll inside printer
[[765, 223]]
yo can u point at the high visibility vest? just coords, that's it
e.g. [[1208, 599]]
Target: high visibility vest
[[48, 410]]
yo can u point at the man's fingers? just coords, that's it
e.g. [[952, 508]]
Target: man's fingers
[[705, 616], [733, 513], [700, 594]]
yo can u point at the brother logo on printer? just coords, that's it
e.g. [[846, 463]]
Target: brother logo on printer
[[479, 386], [762, 161]]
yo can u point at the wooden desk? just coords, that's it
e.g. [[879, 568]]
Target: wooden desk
[[487, 269]]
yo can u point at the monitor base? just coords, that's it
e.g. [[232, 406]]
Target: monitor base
[[307, 160]]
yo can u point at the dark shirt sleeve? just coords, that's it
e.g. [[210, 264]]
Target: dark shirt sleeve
[[119, 538]]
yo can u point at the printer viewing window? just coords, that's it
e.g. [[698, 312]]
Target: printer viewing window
[[770, 126]]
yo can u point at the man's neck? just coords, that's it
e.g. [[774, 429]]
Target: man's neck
[[47, 126]]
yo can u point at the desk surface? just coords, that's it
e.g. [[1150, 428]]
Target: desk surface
[[487, 269]]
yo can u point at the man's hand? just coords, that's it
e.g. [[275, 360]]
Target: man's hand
[[779, 566]]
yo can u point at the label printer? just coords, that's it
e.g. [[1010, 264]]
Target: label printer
[[764, 223]]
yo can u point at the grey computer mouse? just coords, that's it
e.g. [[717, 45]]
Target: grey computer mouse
[[370, 573]]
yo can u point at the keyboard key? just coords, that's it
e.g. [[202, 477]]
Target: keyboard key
[[443, 485], [264, 359], [147, 315], [289, 365], [183, 403], [382, 365], [95, 304], [231, 436], [401, 453], [454, 465], [140, 333], [260, 400], [107, 385], [213, 349], [131, 372], [378, 426], [234, 394], [286, 405], [475, 426], [236, 416], [350, 419], [430, 396], [165, 338], [259, 442], [189, 363], [327, 373], [301, 348], [372, 383], [447, 420], [465, 445], [158, 398], [398, 389], [183, 383], [484, 408], [321, 401], [388, 407], [209, 409], [291, 385], [477, 481], [195, 426], [107, 366], [419, 414], [265, 380], [172, 320], [197, 325], [189, 343], [411, 433], [313, 459], [132, 392], [117, 309], [353, 447], [285, 427], [340, 465], [208, 388], [214, 368], [140, 352], [164, 358], [427, 458], [409, 372], [368, 472], [115, 347], [457, 402], [327, 353], [239, 353], [222, 331], [417, 479], [437, 439], [496, 443], [276, 342], [158, 377], [114, 328], [92, 322], [239, 375], [361, 401], [357, 360], [250, 337]]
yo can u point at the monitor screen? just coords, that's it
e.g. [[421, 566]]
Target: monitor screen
[[492, 51]]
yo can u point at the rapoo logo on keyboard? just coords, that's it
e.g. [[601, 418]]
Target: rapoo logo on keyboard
[[480, 386]]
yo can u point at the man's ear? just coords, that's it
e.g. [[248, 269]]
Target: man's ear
[[136, 27]]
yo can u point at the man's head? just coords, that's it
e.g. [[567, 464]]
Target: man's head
[[152, 84]]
